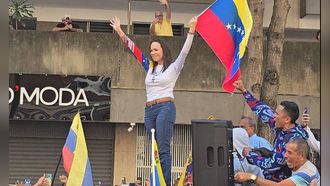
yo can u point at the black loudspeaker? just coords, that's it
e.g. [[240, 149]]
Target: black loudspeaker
[[212, 152]]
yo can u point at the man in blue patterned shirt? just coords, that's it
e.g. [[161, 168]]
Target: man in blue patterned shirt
[[282, 122]]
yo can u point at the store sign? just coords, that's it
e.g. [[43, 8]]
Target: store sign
[[38, 96], [35, 96]]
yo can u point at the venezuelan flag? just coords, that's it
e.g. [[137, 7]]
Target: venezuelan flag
[[187, 173], [225, 26], [159, 177], [75, 156]]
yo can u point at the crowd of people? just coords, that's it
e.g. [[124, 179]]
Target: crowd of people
[[42, 181], [287, 164]]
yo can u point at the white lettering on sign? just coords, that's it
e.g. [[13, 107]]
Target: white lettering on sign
[[40, 95]]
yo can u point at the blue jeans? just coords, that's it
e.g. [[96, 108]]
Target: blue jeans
[[161, 117]]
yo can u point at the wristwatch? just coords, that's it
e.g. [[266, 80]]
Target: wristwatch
[[253, 178]]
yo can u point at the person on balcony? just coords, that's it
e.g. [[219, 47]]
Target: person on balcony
[[67, 26], [162, 26]]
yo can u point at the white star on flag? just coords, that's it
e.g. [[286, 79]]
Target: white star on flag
[[234, 26], [239, 29], [228, 26]]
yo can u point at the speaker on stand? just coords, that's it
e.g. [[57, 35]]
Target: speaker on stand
[[212, 152]]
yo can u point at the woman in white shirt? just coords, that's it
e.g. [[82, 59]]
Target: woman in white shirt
[[162, 73]]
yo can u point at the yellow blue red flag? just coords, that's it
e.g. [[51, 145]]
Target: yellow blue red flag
[[75, 156], [187, 173], [225, 26]]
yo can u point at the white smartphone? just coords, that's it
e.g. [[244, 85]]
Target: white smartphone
[[49, 178]]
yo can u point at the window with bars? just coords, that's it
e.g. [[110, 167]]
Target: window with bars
[[100, 26], [178, 29], [26, 23], [180, 147], [140, 28], [94, 26]]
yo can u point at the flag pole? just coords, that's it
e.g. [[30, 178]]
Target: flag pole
[[153, 157], [58, 163]]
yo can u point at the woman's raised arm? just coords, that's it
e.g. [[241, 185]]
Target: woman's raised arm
[[179, 62], [142, 59]]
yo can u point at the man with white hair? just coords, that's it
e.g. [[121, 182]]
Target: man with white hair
[[67, 26], [249, 124], [241, 140]]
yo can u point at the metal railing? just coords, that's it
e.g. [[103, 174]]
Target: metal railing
[[180, 147]]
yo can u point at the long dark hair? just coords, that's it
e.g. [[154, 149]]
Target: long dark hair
[[167, 56]]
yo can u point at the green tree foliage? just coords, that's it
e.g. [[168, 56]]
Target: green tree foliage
[[19, 9]]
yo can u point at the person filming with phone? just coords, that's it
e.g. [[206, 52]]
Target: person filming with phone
[[312, 141], [67, 26]]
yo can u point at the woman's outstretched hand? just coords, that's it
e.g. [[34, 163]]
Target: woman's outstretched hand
[[192, 24], [115, 24]]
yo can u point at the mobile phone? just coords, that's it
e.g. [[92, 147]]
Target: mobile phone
[[27, 181], [305, 110], [49, 178]]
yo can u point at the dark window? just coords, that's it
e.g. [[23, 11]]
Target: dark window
[[94, 26], [141, 28], [100, 27], [26, 23], [177, 29], [82, 24]]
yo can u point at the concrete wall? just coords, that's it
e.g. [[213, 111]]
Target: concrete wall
[[198, 89]]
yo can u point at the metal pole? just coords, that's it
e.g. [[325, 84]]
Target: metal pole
[[129, 16], [153, 157], [58, 163]]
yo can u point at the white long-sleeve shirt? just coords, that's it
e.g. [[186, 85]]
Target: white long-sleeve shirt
[[161, 83], [312, 141]]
